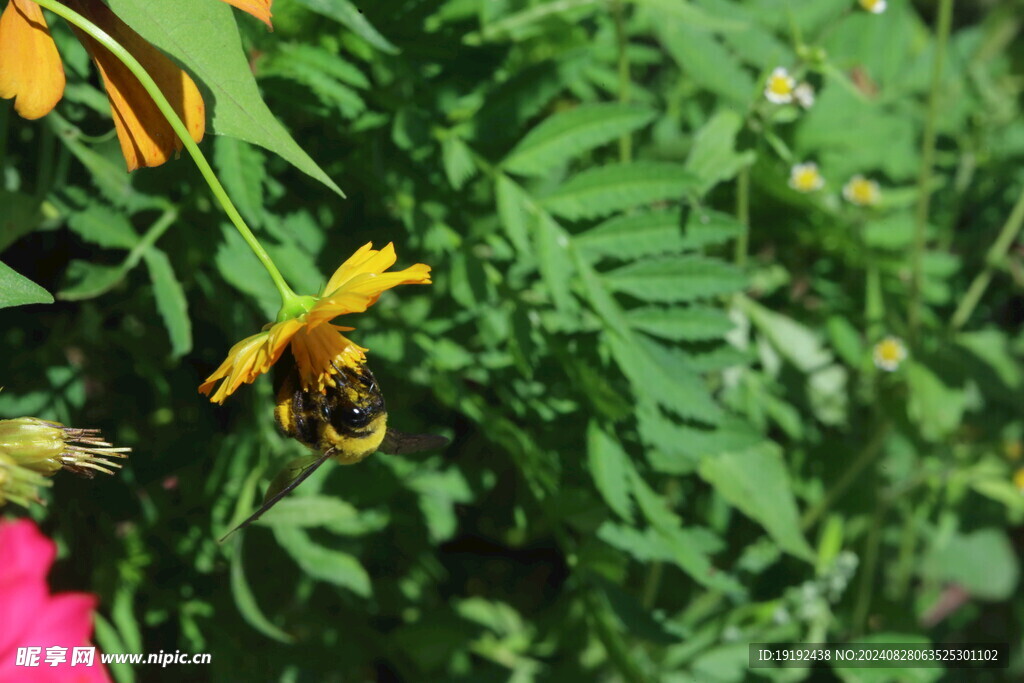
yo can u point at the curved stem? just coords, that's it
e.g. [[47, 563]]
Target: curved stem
[[115, 48]]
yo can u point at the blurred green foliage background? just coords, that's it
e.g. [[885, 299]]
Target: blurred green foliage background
[[669, 437]]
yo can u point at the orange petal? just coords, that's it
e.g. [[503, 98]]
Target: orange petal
[[317, 350], [250, 358], [146, 137], [30, 67], [258, 8]]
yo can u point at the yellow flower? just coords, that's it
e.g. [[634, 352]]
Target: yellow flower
[[32, 449], [1018, 480], [779, 88], [318, 348], [873, 6], [889, 353], [805, 177], [31, 72], [861, 191]]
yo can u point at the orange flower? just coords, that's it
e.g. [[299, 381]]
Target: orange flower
[[317, 347], [31, 72], [258, 8]]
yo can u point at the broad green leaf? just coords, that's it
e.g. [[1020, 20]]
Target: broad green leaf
[[103, 225], [692, 323], [755, 481], [603, 190], [676, 279], [296, 58], [609, 466], [632, 236], [347, 14], [324, 564], [240, 267], [170, 301], [933, 406], [17, 290], [241, 168], [984, 562], [208, 45], [565, 135], [712, 158]]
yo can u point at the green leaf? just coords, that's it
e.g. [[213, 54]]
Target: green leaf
[[609, 466], [693, 323], [240, 268], [755, 481], [937, 409], [347, 14], [712, 158], [243, 172], [458, 162], [103, 225], [686, 12], [633, 236], [676, 279], [86, 280], [555, 265], [564, 135], [600, 191], [984, 562], [209, 47], [703, 59], [513, 212], [325, 564], [246, 601], [17, 290], [800, 345], [336, 515], [170, 301]]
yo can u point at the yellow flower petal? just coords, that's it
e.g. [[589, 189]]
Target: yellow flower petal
[[30, 68], [365, 260], [146, 137], [257, 8]]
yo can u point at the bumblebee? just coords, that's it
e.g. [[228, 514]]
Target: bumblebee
[[346, 423]]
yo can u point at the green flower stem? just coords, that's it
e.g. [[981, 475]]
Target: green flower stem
[[924, 180], [102, 37], [743, 214], [994, 258]]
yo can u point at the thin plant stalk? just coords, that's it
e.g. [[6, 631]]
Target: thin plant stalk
[[924, 180], [994, 257], [133, 65]]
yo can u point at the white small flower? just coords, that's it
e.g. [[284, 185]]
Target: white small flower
[[861, 191], [889, 353], [779, 88], [804, 94], [874, 6], [806, 177]]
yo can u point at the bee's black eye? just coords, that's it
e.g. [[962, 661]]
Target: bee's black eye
[[357, 412], [325, 411]]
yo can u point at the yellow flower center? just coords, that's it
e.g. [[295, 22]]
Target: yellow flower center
[[780, 84], [806, 178], [890, 351], [874, 6]]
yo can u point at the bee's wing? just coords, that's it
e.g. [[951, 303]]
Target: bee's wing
[[273, 500], [400, 443]]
